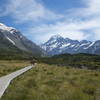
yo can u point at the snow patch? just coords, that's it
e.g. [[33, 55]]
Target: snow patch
[[51, 42], [44, 47], [65, 45], [72, 45], [54, 45], [90, 45], [11, 40], [4, 27], [84, 44]]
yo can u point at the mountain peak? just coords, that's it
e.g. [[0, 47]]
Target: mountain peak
[[12, 40], [84, 41], [59, 45], [67, 39], [4, 27], [56, 36]]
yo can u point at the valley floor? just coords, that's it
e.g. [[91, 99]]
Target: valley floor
[[50, 82], [9, 66]]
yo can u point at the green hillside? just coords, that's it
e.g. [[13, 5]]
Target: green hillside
[[14, 54]]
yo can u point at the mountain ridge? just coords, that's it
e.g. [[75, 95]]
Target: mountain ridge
[[11, 39], [59, 45]]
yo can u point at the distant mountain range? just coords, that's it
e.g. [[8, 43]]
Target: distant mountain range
[[12, 41], [59, 45]]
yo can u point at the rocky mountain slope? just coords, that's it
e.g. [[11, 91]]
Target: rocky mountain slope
[[59, 45], [11, 40]]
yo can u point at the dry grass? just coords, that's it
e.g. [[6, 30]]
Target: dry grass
[[45, 82], [8, 66]]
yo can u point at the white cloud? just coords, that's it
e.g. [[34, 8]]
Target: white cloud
[[91, 9], [27, 10], [94, 6], [76, 29], [71, 30], [96, 34], [76, 22]]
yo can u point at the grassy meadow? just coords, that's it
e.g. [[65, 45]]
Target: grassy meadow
[[8, 66], [50, 82]]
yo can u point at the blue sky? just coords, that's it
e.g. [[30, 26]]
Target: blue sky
[[40, 19]]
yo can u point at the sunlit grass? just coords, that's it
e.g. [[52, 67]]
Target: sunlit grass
[[8, 66], [49, 82]]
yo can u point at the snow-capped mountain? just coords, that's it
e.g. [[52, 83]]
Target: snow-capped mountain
[[10, 38], [59, 45]]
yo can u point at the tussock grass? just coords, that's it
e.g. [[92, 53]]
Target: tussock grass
[[8, 66], [49, 82]]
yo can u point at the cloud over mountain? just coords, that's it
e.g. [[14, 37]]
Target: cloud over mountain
[[80, 23]]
